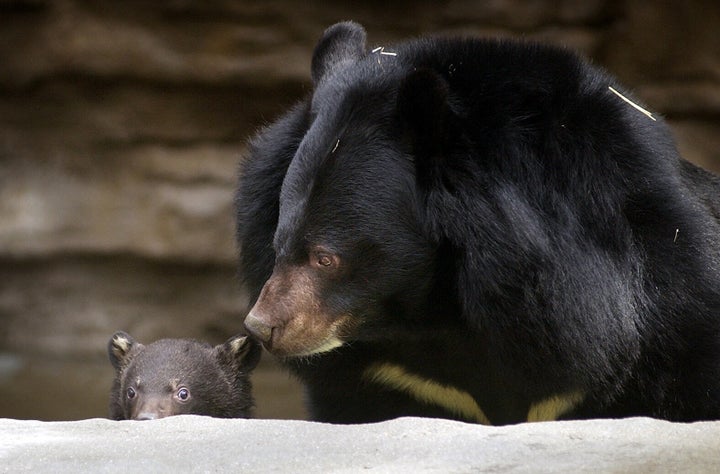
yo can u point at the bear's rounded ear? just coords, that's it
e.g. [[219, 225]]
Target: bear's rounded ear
[[120, 345], [340, 43], [241, 351], [423, 109]]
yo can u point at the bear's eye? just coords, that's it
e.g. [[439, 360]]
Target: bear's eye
[[183, 394], [321, 258], [131, 393]]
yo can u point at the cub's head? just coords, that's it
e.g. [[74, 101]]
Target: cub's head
[[181, 376]]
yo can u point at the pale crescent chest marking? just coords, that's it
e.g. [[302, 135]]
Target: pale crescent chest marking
[[460, 402]]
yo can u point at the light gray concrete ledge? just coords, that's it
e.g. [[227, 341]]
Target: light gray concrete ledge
[[200, 444]]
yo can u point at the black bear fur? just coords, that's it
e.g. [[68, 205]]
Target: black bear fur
[[513, 229]]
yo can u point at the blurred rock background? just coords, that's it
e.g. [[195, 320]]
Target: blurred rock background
[[122, 124]]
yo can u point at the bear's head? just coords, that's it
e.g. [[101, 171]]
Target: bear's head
[[353, 257], [181, 376]]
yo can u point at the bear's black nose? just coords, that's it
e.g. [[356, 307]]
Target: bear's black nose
[[257, 328]]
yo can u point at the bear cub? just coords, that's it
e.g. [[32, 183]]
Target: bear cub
[[181, 376]]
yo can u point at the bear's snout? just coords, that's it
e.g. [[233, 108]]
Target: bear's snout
[[152, 407], [289, 318], [145, 416], [257, 328]]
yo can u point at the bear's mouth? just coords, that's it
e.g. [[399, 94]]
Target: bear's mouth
[[328, 345], [297, 338]]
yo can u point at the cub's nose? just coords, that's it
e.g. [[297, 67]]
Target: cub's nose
[[146, 415], [257, 328]]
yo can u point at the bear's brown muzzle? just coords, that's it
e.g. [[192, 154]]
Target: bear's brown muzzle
[[289, 317], [258, 329]]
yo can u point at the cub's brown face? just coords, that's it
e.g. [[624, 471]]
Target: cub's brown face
[[292, 316], [181, 376], [142, 402]]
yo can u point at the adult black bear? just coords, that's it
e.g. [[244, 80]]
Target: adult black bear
[[181, 376], [483, 230]]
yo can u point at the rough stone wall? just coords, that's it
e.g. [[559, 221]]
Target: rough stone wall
[[122, 123]]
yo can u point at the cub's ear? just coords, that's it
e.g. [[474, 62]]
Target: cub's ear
[[340, 43], [240, 351], [423, 109], [119, 348]]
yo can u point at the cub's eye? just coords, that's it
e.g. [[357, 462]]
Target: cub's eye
[[324, 260], [131, 393], [183, 394]]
